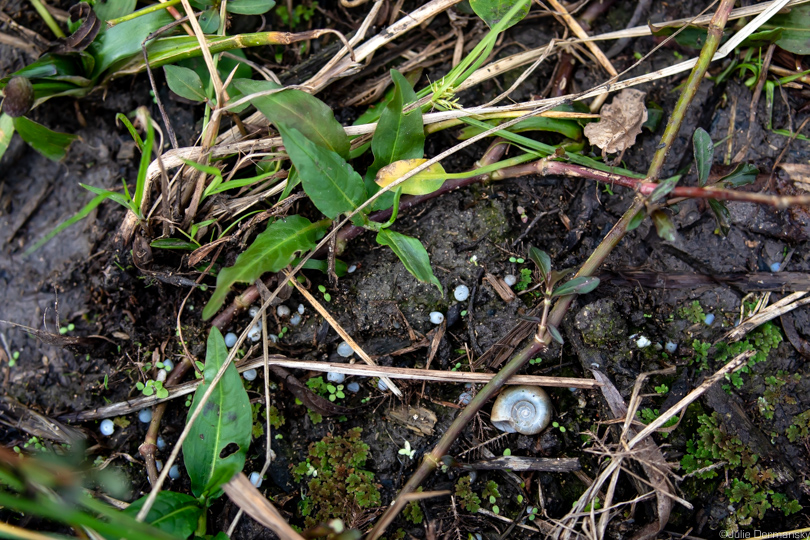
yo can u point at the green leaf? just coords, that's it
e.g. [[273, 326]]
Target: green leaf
[[703, 149], [566, 128], [398, 136], [185, 83], [578, 285], [250, 7], [299, 110], [664, 225], [636, 220], [541, 259], [742, 175], [225, 421], [78, 216], [209, 21], [51, 144], [721, 215], [173, 513], [272, 250], [173, 243], [492, 11], [555, 334], [323, 266], [664, 188], [113, 9], [795, 27], [124, 40], [6, 132], [421, 183], [329, 181], [412, 254]]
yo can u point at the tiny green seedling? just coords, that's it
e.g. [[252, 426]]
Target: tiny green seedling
[[556, 425], [407, 451]]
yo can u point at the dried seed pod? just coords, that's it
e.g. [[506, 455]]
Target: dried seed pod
[[19, 97], [522, 409]]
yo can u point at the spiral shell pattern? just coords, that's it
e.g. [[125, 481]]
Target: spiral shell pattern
[[522, 409]]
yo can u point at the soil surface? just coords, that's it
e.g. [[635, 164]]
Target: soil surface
[[121, 315]]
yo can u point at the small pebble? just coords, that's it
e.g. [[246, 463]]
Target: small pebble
[[145, 416], [301, 309], [255, 479], [671, 347], [253, 311], [161, 444], [436, 317], [382, 386], [775, 267], [510, 280], [345, 350], [461, 293], [353, 387], [351, 269], [168, 365], [465, 398], [335, 377], [295, 320], [158, 465], [161, 375], [107, 427], [642, 342], [250, 375], [174, 472], [255, 333], [709, 319], [230, 339], [283, 311]]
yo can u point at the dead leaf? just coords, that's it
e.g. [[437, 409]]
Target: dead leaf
[[420, 420], [621, 122]]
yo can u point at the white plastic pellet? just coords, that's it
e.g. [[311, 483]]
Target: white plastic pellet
[[382, 386], [161, 444], [283, 311], [775, 267], [510, 280], [301, 309], [255, 333], [168, 365], [161, 375], [465, 398], [273, 338], [351, 269], [255, 479], [709, 319], [353, 387], [253, 311], [174, 472], [250, 375], [461, 293], [671, 347], [642, 342], [145, 416], [345, 350], [107, 427], [158, 465], [436, 317], [335, 377], [295, 320], [230, 339]]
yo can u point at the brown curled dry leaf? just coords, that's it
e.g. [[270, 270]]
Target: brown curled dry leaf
[[620, 123]]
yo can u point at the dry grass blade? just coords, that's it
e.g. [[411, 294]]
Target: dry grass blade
[[248, 498], [785, 305]]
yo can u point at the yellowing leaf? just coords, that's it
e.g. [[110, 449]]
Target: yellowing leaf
[[422, 183]]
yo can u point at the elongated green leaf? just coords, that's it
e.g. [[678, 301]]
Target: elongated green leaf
[[664, 226], [566, 128], [6, 132], [250, 7], [112, 9], [795, 26], [421, 183], [331, 183], [578, 285], [78, 216], [541, 259], [398, 136], [492, 11], [299, 110], [272, 250], [742, 175], [173, 243], [721, 215], [636, 220], [323, 266], [124, 40], [555, 334], [664, 188], [51, 144], [412, 254], [185, 83], [225, 421], [173, 513], [703, 149]]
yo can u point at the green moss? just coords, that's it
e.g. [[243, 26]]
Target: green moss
[[692, 313], [800, 428], [339, 487]]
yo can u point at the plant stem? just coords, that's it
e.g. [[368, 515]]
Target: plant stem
[[48, 18], [141, 12], [539, 342]]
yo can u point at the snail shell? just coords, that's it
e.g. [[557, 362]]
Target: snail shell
[[522, 409]]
